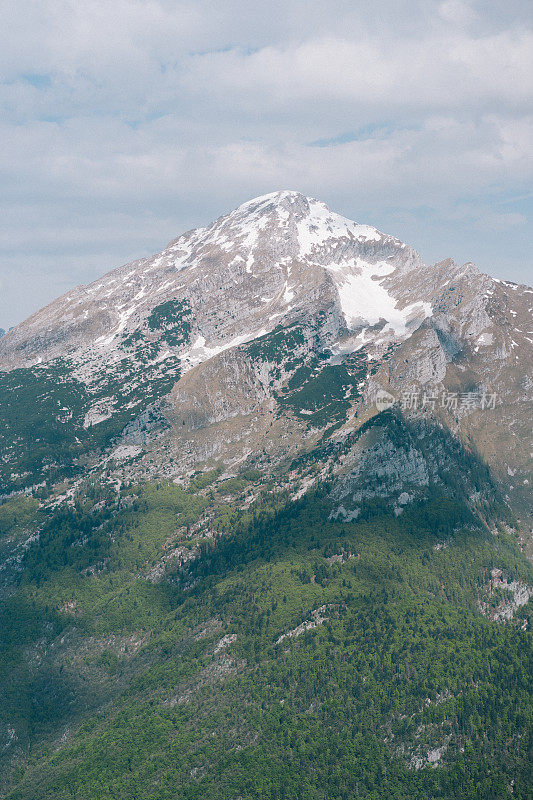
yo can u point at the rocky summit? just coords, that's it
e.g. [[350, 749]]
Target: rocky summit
[[265, 513], [250, 340]]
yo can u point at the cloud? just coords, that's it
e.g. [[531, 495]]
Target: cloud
[[124, 123], [449, 71], [457, 12], [113, 162]]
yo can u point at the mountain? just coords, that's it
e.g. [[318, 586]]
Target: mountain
[[266, 511], [275, 322]]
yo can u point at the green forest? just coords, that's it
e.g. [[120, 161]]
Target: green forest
[[282, 655]]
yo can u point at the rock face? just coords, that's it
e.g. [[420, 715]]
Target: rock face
[[269, 261], [255, 338]]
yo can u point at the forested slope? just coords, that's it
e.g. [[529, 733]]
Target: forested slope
[[295, 658]]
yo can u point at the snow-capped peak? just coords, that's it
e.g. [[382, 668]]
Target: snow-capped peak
[[315, 221], [287, 222], [276, 255]]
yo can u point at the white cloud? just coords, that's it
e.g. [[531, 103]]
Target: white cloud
[[111, 161], [451, 71], [126, 122], [457, 12]]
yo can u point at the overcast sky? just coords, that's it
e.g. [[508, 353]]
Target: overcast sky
[[126, 122]]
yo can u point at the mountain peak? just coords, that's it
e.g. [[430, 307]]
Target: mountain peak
[[311, 222], [266, 297], [276, 197], [284, 201], [272, 257]]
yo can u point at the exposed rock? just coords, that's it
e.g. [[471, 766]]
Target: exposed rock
[[264, 332]]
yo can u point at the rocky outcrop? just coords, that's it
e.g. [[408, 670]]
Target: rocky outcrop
[[260, 335]]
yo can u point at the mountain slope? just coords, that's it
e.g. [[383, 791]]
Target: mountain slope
[[271, 256], [291, 657], [255, 335], [264, 507]]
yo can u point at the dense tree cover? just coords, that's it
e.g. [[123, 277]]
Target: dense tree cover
[[119, 686], [43, 432]]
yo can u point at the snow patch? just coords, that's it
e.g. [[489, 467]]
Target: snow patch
[[199, 352], [365, 301], [322, 224], [484, 339]]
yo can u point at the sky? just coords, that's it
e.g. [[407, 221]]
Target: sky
[[126, 123]]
